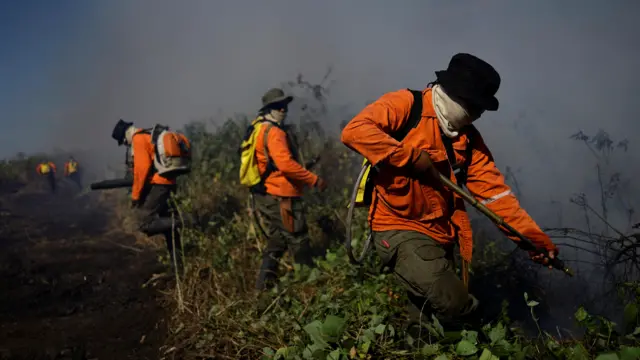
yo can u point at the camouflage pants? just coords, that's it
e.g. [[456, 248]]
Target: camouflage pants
[[281, 234], [426, 268]]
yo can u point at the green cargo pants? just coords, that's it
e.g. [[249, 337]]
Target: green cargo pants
[[426, 268], [281, 235]]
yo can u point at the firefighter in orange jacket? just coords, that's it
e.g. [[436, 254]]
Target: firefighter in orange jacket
[[72, 171], [416, 220], [150, 192], [279, 204], [48, 170]]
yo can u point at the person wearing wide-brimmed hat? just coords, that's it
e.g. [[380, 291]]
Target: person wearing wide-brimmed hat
[[278, 202], [415, 220]]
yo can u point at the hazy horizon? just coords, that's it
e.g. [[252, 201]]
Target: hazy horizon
[[71, 69]]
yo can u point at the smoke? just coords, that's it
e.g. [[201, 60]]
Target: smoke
[[565, 66]]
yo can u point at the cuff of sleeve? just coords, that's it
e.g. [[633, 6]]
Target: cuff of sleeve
[[314, 178], [403, 155], [547, 244]]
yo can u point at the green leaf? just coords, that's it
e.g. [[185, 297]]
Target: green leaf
[[443, 357], [380, 329], [391, 330], [581, 314], [487, 355], [313, 275], [314, 329], [466, 348], [334, 355], [376, 320], [497, 333], [367, 335], [630, 353], [430, 349], [577, 352], [503, 348], [364, 347], [532, 303], [334, 326], [315, 351], [608, 356], [470, 335], [285, 352]]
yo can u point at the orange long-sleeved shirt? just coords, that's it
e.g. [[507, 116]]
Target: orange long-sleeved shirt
[[290, 177], [402, 201], [143, 154]]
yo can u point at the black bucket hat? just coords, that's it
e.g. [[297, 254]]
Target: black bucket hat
[[471, 79], [120, 130], [275, 96]]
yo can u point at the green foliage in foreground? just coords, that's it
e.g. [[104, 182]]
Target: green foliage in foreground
[[338, 311]]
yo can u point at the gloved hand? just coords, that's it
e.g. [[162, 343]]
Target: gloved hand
[[543, 258], [320, 184], [135, 204], [424, 166]]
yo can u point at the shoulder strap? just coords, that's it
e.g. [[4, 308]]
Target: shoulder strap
[[415, 115], [460, 170], [266, 141], [156, 131], [270, 166]]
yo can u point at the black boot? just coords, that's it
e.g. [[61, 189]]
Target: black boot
[[268, 272]]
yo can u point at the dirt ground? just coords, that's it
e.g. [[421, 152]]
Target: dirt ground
[[70, 288]]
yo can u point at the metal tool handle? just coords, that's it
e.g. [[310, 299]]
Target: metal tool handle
[[524, 242]]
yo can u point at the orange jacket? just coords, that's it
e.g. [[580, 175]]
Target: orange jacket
[[143, 155], [51, 165], [291, 177], [67, 168], [403, 202]]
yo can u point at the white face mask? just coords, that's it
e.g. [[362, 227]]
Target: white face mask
[[128, 135], [276, 116], [451, 116]]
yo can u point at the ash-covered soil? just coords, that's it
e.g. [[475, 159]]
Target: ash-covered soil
[[71, 286]]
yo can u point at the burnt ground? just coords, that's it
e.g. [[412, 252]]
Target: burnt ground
[[69, 286]]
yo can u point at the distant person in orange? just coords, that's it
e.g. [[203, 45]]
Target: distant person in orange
[[155, 168], [72, 171], [47, 169], [278, 202], [415, 220]]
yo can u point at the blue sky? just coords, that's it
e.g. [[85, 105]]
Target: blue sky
[[35, 37]]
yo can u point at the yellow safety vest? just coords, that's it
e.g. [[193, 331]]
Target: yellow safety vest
[[72, 167], [45, 168]]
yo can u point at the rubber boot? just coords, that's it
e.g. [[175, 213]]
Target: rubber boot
[[268, 272]]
